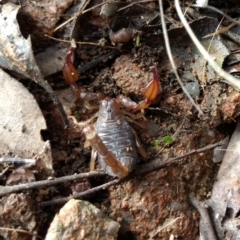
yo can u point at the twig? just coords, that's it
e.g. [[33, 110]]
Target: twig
[[203, 211], [80, 43], [4, 171], [82, 7], [168, 48], [189, 5], [17, 160], [97, 61], [79, 195], [226, 76], [203, 79], [220, 31], [159, 229], [43, 83], [145, 169], [49, 182], [4, 190], [81, 12], [218, 11], [20, 231], [156, 165], [131, 4]]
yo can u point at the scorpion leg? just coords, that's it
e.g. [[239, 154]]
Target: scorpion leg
[[87, 143], [141, 150], [148, 127], [107, 156], [153, 89], [93, 159], [85, 123]]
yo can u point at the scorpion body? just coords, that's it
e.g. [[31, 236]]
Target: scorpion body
[[112, 138], [116, 133]]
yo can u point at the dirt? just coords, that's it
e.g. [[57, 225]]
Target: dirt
[[155, 205]]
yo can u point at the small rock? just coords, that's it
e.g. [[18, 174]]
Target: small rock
[[230, 106], [171, 100], [81, 220], [17, 211], [193, 88], [20, 175]]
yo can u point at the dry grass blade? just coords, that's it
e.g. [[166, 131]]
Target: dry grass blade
[[80, 43], [82, 11], [131, 4], [166, 40], [226, 76], [203, 79], [220, 31], [163, 227], [83, 5], [20, 231]]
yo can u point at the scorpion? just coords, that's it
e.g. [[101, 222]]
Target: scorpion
[[112, 138]]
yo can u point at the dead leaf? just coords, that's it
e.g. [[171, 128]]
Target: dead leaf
[[121, 14], [51, 60], [77, 23], [40, 17], [21, 121], [226, 190], [109, 9], [16, 52], [186, 55]]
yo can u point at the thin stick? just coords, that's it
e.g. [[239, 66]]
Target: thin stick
[[80, 43], [145, 169], [203, 79], [4, 190], [95, 62], [82, 7], [220, 31], [203, 211], [131, 4], [42, 82], [49, 182], [20, 231], [226, 76], [79, 195], [159, 229], [218, 11], [169, 52], [156, 165], [18, 160], [79, 13]]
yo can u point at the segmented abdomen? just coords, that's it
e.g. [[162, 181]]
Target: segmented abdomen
[[119, 139]]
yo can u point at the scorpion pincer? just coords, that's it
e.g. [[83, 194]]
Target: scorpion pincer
[[114, 140]]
